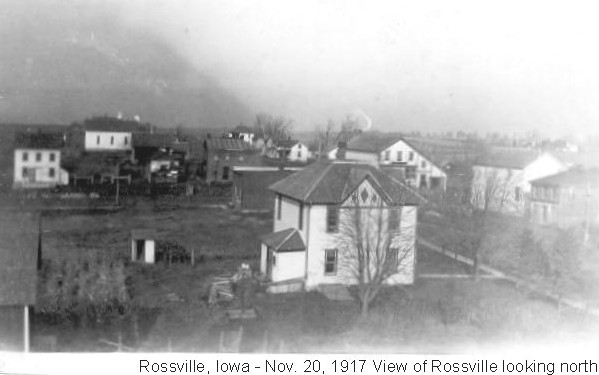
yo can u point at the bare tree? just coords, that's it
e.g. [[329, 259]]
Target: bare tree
[[489, 192], [325, 136], [272, 129], [350, 127], [372, 250]]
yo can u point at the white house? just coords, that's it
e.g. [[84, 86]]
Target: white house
[[503, 177], [109, 134], [37, 162], [317, 213], [293, 151], [242, 132], [418, 169]]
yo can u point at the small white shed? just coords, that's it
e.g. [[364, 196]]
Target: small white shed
[[143, 245]]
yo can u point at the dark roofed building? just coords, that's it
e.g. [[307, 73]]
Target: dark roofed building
[[18, 278], [308, 249], [113, 124], [221, 155]]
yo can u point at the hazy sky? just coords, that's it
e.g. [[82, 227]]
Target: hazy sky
[[506, 66]]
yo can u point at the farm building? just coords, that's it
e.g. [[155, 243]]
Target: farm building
[[566, 199], [250, 186], [18, 279], [503, 176], [293, 151], [220, 155]]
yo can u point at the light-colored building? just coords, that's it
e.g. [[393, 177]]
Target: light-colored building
[[501, 179], [242, 132], [566, 199], [294, 151], [319, 211], [109, 134], [416, 167], [37, 162]]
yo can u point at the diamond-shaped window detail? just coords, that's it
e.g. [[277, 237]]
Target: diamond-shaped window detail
[[364, 195]]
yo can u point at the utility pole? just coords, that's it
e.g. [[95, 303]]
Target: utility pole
[[117, 191]]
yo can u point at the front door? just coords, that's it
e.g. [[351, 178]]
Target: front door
[[270, 258], [139, 250]]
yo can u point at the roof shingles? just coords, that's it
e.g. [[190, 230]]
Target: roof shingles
[[331, 182]]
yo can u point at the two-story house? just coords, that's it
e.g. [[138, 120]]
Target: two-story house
[[220, 155], [566, 199], [37, 161], [398, 156], [502, 177], [318, 214]]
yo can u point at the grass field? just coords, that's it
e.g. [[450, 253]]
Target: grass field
[[440, 315]]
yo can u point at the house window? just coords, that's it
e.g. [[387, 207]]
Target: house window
[[52, 156], [399, 156], [330, 262], [301, 216], [24, 172], [394, 220], [517, 194], [38, 156], [299, 154], [51, 172], [422, 180], [392, 258], [226, 173], [25, 156], [435, 182], [423, 164], [387, 155], [98, 140], [279, 206], [411, 172], [274, 260], [111, 140], [332, 219], [126, 141], [411, 155]]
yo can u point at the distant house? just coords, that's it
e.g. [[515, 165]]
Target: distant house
[[566, 198], [503, 176], [242, 132], [250, 186], [311, 206], [220, 155], [417, 168], [37, 161], [98, 167], [109, 133], [18, 279], [294, 151]]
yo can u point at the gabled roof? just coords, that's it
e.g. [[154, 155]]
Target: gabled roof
[[288, 143], [284, 240], [372, 142], [39, 140], [510, 158], [232, 144], [571, 177], [153, 139], [241, 129], [18, 259], [111, 124], [327, 182]]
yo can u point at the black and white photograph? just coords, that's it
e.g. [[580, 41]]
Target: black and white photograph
[[288, 177]]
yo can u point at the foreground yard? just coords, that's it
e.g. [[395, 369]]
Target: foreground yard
[[167, 310]]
